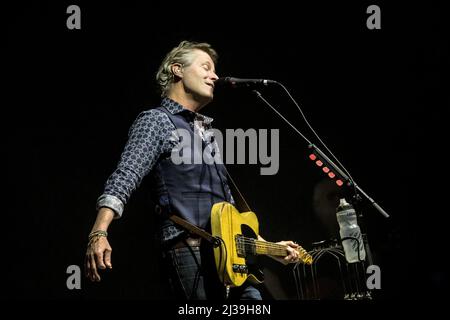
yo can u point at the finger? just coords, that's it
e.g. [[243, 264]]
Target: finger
[[89, 272], [94, 272], [108, 258], [292, 259], [295, 251], [292, 244], [293, 255], [91, 268], [286, 260], [292, 252], [87, 266], [99, 255]]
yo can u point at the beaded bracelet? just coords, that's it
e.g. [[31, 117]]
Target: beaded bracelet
[[95, 235], [98, 233]]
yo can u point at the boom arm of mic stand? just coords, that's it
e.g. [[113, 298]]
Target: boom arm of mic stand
[[345, 177], [327, 160]]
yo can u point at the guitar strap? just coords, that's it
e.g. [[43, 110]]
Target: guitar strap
[[199, 231], [243, 206], [193, 229]]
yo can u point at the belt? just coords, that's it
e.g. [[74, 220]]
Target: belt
[[191, 242]]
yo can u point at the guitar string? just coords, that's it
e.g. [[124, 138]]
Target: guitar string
[[278, 247], [275, 251], [274, 246], [303, 254], [263, 245]]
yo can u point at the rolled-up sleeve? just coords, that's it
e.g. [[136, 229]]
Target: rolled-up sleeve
[[142, 150]]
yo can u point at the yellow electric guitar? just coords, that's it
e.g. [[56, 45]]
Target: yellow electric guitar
[[239, 233]]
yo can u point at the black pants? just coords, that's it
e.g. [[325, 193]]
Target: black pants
[[192, 275]]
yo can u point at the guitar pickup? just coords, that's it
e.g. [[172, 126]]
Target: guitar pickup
[[240, 249], [240, 268]]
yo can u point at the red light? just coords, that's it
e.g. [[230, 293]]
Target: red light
[[331, 174], [312, 156], [339, 182], [325, 169], [319, 163]]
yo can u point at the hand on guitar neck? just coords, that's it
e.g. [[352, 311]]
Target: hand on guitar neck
[[291, 247]]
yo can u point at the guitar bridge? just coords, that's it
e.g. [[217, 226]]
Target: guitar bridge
[[240, 268]]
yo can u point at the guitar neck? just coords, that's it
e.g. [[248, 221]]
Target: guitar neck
[[270, 248], [258, 247]]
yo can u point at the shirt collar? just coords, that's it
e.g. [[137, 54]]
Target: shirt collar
[[175, 108]]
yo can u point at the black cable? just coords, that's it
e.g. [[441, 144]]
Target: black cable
[[197, 274], [317, 136], [222, 244]]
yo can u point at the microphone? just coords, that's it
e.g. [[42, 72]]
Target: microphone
[[246, 83]]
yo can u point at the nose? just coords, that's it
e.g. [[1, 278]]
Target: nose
[[214, 77]]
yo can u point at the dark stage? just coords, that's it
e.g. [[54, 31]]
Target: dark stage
[[376, 97]]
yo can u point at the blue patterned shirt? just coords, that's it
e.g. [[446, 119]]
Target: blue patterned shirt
[[148, 138]]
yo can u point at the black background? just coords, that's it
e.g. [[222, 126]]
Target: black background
[[375, 96]]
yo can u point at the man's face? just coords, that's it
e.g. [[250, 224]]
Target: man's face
[[199, 77]]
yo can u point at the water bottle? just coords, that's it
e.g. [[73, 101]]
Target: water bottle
[[346, 217]]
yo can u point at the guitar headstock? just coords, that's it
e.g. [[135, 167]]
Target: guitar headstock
[[304, 256]]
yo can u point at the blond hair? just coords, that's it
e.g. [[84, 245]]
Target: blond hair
[[181, 54]]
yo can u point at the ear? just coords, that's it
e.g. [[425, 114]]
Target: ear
[[177, 70]]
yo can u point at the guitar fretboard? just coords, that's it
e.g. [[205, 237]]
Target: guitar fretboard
[[246, 246]]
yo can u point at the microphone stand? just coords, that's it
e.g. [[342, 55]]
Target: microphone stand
[[357, 191]]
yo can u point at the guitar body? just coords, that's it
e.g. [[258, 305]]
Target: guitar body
[[233, 263]]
